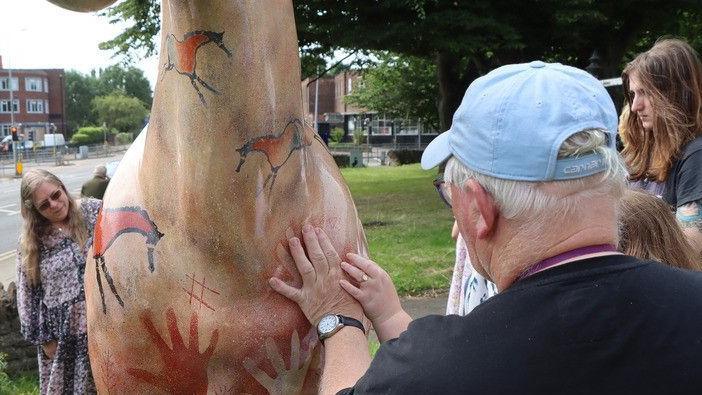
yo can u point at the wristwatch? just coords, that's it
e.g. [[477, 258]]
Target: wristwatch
[[331, 323]]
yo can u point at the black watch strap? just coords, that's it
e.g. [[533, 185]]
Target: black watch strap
[[348, 321]]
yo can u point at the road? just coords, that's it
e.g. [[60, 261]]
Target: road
[[73, 175]]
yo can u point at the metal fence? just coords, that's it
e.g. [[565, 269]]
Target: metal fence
[[55, 156], [374, 154]]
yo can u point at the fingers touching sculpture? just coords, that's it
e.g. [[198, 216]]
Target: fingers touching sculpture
[[197, 216]]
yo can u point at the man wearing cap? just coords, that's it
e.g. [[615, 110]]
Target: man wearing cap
[[534, 182], [96, 186]]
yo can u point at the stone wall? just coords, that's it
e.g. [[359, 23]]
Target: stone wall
[[21, 356]]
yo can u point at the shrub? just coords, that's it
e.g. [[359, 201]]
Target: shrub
[[337, 134], [89, 135], [404, 157], [124, 138], [80, 139], [358, 137], [342, 159]]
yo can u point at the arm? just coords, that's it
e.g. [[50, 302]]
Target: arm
[[377, 295], [29, 311], [690, 218], [346, 352]]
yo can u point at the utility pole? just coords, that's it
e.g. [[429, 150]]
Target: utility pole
[[316, 102], [15, 158]]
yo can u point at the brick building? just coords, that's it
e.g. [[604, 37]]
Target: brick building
[[38, 102], [333, 111]]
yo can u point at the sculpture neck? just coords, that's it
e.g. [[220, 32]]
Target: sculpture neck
[[229, 73]]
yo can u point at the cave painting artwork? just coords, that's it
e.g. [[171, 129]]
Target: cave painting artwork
[[288, 378], [277, 148], [184, 368], [199, 298], [111, 224], [226, 172], [182, 56]]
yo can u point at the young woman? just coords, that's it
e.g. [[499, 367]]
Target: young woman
[[663, 134], [54, 240]]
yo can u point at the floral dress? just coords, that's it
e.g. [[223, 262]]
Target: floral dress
[[55, 310], [468, 288]]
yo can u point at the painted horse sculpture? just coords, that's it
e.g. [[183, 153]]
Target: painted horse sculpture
[[197, 216]]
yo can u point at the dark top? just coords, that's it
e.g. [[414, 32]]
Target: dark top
[[604, 325], [684, 183], [95, 187]]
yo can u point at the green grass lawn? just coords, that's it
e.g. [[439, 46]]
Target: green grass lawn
[[407, 225]]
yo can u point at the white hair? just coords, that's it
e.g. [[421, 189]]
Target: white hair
[[524, 200]]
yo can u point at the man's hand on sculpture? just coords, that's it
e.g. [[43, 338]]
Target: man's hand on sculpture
[[320, 270]]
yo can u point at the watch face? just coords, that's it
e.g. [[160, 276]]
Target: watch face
[[328, 323]]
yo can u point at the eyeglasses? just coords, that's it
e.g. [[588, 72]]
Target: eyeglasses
[[55, 196], [444, 190]]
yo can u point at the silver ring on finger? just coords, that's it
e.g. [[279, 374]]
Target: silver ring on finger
[[364, 278]]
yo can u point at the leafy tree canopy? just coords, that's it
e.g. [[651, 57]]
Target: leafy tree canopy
[[128, 81], [81, 89], [399, 86], [123, 113], [465, 39]]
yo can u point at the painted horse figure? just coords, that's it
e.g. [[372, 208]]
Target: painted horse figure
[[197, 216]]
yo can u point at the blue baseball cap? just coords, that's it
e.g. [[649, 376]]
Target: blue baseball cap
[[512, 123]]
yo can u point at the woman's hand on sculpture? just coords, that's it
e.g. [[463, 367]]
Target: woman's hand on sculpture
[[319, 267], [49, 348], [377, 295]]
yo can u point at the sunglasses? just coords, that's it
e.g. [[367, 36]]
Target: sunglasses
[[444, 190], [55, 196]]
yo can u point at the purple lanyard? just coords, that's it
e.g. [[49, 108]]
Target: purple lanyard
[[555, 260]]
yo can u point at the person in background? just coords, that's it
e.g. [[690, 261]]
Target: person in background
[[96, 186], [663, 134], [468, 288], [648, 230], [54, 240]]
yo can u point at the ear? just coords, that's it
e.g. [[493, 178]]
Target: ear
[[486, 206]]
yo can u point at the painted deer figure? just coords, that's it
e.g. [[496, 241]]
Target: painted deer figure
[[197, 216]]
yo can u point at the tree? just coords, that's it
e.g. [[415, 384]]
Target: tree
[[128, 81], [401, 87], [464, 39], [123, 113], [80, 91]]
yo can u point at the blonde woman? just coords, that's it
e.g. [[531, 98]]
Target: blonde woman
[[56, 234]]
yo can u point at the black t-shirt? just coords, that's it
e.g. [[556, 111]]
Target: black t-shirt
[[684, 183], [608, 325]]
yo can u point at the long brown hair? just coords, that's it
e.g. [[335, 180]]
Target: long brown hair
[[671, 75], [35, 226], [649, 230]]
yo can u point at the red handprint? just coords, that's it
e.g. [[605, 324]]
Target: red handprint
[[184, 368]]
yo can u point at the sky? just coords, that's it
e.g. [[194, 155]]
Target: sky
[[35, 34]]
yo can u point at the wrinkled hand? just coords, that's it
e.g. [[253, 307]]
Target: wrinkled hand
[[375, 289], [49, 348], [321, 292]]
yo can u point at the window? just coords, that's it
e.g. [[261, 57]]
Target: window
[[35, 106], [46, 106], [5, 106], [349, 85], [46, 85], [5, 84], [5, 129], [32, 84]]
